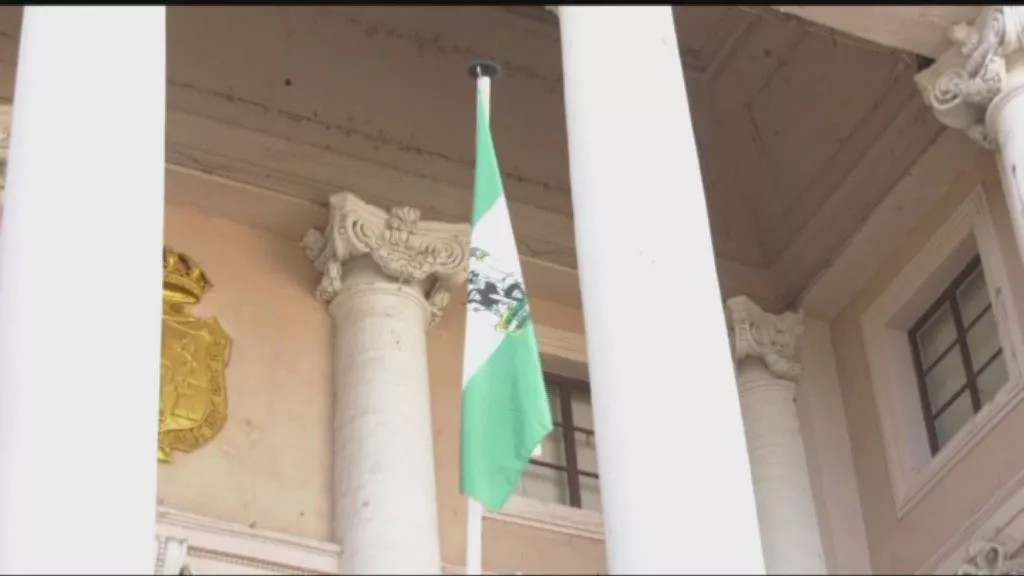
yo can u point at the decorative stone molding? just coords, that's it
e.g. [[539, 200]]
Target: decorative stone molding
[[965, 80], [771, 337], [989, 558], [172, 556], [219, 547], [407, 249]]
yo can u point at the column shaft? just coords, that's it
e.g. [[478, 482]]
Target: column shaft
[[1006, 120], [386, 495], [782, 482], [675, 475], [80, 292]]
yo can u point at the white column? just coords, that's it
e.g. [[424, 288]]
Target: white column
[[978, 86], [767, 368], [398, 275], [675, 475], [80, 292]]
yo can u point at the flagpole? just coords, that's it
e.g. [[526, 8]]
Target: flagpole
[[482, 71]]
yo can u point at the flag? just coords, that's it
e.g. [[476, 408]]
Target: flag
[[505, 410]]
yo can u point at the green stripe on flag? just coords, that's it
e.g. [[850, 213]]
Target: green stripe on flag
[[501, 425], [505, 410], [487, 188]]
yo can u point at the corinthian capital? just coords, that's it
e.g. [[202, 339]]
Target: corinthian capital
[[965, 80], [772, 337], [405, 248]]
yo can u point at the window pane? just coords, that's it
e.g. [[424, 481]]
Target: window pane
[[944, 379], [553, 448], [586, 452], [545, 484], [953, 419], [973, 296], [936, 336], [556, 406], [582, 415], [983, 340], [992, 379], [590, 493]]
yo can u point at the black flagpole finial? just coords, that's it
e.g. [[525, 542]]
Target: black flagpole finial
[[482, 68]]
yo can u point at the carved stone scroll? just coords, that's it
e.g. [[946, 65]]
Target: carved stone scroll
[[771, 337], [965, 80], [989, 558], [404, 247]]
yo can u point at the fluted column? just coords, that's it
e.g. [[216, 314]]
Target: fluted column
[[766, 350], [978, 86], [386, 278]]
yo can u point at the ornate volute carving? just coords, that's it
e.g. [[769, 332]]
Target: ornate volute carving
[[965, 80], [772, 337], [989, 558], [406, 248]]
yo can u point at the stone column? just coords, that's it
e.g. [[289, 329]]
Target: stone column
[[386, 277], [767, 369], [80, 292], [978, 86], [660, 370]]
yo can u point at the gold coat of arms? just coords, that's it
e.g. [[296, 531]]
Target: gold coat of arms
[[193, 382]]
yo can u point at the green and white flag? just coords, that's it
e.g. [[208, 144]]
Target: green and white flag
[[505, 411]]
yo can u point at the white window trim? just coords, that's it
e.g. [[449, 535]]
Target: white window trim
[[564, 353], [913, 471]]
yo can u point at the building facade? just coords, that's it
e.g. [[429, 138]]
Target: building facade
[[774, 259]]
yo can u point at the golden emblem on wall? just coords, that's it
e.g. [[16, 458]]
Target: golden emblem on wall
[[193, 370]]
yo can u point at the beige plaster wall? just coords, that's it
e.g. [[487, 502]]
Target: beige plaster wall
[[271, 466], [901, 546]]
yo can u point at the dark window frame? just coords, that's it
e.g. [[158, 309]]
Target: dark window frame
[[562, 388], [948, 298]]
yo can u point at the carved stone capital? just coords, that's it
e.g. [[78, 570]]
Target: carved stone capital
[[434, 255], [989, 558], [965, 80], [772, 337]]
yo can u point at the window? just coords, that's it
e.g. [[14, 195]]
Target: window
[[958, 358], [566, 471], [934, 407]]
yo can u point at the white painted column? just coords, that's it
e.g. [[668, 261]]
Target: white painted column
[[80, 292], [675, 476], [767, 369], [398, 276], [978, 86]]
